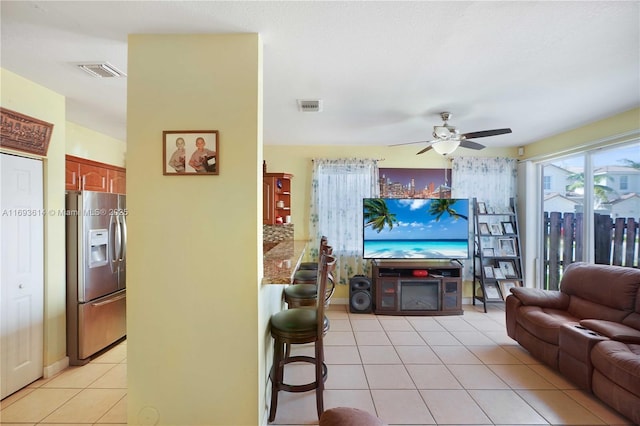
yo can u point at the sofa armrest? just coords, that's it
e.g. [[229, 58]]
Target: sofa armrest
[[512, 305], [613, 330], [543, 298]]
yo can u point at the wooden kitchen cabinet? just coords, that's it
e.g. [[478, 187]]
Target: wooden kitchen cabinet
[[72, 175], [88, 175], [276, 198], [93, 178], [117, 180]]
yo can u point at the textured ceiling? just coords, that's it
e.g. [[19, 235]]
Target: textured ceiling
[[384, 70]]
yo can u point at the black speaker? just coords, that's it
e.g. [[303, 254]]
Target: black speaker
[[360, 297]]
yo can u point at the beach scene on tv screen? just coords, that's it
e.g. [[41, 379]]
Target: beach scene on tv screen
[[400, 228]]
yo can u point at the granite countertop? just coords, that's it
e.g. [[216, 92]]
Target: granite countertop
[[281, 261]]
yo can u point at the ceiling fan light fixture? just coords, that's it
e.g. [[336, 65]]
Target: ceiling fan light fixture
[[441, 132], [446, 147]]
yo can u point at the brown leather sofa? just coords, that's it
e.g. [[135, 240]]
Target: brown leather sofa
[[589, 330]]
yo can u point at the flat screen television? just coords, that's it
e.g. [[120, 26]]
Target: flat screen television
[[409, 228]]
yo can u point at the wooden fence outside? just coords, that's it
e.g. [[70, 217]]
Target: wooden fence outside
[[616, 243]]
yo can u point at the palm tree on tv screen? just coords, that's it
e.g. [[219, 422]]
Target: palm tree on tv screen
[[377, 215], [441, 206]]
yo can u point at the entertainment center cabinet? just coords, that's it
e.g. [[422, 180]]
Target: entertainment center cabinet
[[406, 287]]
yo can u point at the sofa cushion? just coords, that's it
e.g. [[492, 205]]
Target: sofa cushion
[[613, 330], [633, 320], [583, 308], [544, 323], [620, 362], [612, 286]]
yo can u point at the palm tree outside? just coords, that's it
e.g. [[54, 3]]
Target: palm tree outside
[[601, 192]]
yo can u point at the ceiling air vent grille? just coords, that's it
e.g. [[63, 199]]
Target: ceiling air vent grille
[[309, 105], [102, 70]]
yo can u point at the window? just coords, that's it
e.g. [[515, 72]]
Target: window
[[578, 223], [546, 183], [338, 187], [624, 183]]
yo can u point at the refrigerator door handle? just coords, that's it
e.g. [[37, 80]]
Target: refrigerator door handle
[[108, 301], [123, 231], [115, 248], [118, 239]]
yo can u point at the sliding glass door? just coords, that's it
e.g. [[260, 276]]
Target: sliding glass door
[[591, 210]]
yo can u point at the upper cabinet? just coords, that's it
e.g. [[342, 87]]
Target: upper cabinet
[[276, 198], [72, 175], [87, 175], [117, 181]]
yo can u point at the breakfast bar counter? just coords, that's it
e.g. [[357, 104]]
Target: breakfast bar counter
[[281, 262]]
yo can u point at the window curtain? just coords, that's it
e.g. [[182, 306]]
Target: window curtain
[[492, 180], [337, 189]]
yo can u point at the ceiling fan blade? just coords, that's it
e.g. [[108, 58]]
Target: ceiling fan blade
[[422, 151], [408, 143], [485, 133], [471, 145]]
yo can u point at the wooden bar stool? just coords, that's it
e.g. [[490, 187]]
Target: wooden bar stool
[[313, 265], [299, 326], [303, 292], [308, 276]]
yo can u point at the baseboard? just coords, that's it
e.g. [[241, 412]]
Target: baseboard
[[339, 301], [56, 367]]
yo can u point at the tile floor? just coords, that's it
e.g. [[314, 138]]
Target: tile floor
[[449, 370], [92, 394]]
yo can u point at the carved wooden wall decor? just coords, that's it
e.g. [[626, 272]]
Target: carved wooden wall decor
[[24, 133]]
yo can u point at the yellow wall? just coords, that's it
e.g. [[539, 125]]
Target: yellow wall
[[195, 252], [86, 143], [21, 95], [585, 136]]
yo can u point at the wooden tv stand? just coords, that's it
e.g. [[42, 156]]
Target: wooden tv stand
[[400, 290]]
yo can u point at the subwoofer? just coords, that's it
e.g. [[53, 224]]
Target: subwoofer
[[360, 297]]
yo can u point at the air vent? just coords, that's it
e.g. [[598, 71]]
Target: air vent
[[102, 70], [309, 105]]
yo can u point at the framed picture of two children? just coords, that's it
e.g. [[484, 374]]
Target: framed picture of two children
[[190, 152]]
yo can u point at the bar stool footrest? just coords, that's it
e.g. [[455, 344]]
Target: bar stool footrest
[[304, 387]]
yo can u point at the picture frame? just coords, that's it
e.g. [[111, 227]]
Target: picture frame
[[506, 286], [507, 247], [24, 133], [498, 274], [433, 182], [482, 208], [508, 228], [190, 152], [492, 292], [488, 252], [488, 272], [484, 228], [508, 268], [496, 229]]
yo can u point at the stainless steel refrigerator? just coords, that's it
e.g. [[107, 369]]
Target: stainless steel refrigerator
[[96, 240]]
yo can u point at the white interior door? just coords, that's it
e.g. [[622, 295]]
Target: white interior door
[[22, 272]]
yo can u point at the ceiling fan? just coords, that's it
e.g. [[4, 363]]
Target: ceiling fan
[[448, 138]]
